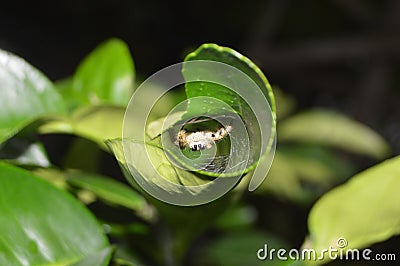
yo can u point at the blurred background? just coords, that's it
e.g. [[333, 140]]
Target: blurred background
[[335, 54]]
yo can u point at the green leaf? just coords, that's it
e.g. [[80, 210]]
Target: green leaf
[[224, 84], [157, 169], [101, 187], [108, 189], [333, 129], [96, 123], [161, 152], [106, 75], [25, 95], [150, 171], [186, 222], [42, 225], [155, 127], [228, 56], [64, 87], [364, 211]]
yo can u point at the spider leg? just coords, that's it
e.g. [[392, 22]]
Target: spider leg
[[209, 145]]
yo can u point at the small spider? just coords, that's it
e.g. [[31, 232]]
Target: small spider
[[200, 140]]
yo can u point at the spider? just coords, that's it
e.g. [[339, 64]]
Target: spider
[[200, 140]]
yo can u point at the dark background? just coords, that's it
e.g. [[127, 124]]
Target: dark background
[[337, 54]]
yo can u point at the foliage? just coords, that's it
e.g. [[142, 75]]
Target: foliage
[[42, 224]]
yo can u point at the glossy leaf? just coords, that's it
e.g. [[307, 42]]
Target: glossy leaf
[[364, 211], [106, 75], [228, 56], [220, 74], [186, 222], [42, 225], [25, 95], [333, 129], [158, 164]]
